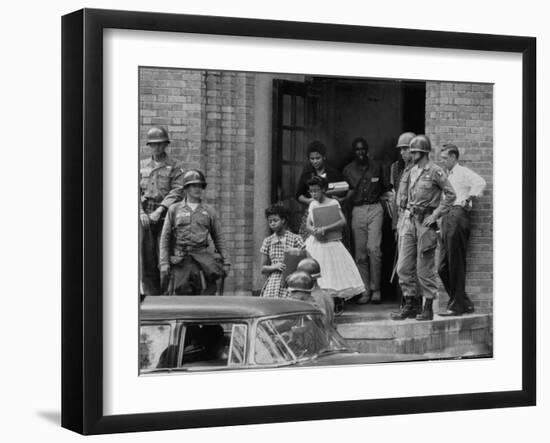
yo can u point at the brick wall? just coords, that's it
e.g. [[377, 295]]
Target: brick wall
[[210, 118], [462, 114]]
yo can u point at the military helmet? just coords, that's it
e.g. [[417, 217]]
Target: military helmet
[[299, 281], [404, 140], [194, 176], [311, 266], [420, 143], [157, 134]]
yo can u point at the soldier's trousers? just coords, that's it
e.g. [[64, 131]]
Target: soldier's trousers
[[188, 278], [455, 232], [416, 259], [149, 258]]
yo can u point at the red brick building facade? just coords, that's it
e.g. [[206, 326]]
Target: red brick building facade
[[220, 122], [462, 113]]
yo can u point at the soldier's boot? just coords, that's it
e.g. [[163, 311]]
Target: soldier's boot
[[407, 311], [427, 313]]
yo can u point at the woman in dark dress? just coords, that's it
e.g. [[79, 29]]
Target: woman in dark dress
[[317, 166]]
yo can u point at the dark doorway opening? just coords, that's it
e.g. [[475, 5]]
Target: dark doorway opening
[[335, 111]]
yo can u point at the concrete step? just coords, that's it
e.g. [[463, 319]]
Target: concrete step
[[370, 329]]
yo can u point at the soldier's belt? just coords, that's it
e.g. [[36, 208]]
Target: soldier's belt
[[420, 213], [182, 251]]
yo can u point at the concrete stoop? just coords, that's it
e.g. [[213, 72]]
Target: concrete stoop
[[370, 329]]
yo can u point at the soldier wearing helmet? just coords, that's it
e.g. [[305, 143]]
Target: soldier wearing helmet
[[187, 264], [425, 194], [323, 299], [300, 284], [160, 187], [398, 167], [396, 172]]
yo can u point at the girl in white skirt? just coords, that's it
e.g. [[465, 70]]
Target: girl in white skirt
[[340, 275]]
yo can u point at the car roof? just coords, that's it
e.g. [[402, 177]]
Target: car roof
[[216, 307]]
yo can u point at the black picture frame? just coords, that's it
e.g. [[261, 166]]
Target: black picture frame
[[82, 215]]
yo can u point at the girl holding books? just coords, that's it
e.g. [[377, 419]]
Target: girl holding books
[[273, 250], [325, 222], [317, 166]]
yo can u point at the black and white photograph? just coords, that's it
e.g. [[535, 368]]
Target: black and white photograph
[[298, 220], [293, 221]]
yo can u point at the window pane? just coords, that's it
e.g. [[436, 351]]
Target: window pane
[[285, 182], [299, 111], [237, 348], [287, 109], [268, 348], [208, 345], [287, 147], [300, 147], [153, 346]]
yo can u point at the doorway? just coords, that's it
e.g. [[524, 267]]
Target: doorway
[[336, 110]]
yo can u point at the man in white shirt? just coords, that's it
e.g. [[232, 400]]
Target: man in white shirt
[[455, 231]]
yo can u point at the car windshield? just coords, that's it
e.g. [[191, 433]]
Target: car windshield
[[295, 337]]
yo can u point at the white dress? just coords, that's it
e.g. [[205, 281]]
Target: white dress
[[339, 274]]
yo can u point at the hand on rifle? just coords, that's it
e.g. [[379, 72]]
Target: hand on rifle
[[226, 269], [144, 220], [429, 220], [156, 214]]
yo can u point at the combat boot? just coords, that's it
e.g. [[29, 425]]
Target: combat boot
[[408, 310], [427, 312]]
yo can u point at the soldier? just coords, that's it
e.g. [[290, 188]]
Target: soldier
[[160, 187], [425, 194], [455, 231], [187, 266], [322, 297], [396, 172]]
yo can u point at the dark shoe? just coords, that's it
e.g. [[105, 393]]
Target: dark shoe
[[469, 309], [450, 313], [376, 298], [364, 299], [427, 313], [407, 311]]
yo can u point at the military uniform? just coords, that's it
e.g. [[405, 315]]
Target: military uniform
[[422, 192], [160, 185], [184, 247]]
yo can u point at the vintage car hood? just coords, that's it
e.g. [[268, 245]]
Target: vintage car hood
[[355, 358]]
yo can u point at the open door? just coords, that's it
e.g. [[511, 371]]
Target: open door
[[334, 111], [294, 117]]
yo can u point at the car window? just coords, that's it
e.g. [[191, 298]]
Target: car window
[[294, 337], [237, 347], [213, 344], [269, 346], [154, 349]]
